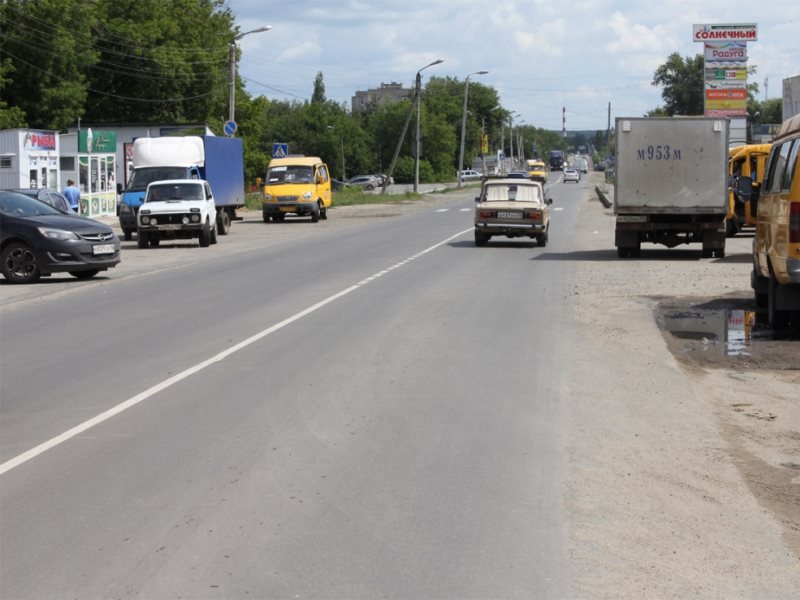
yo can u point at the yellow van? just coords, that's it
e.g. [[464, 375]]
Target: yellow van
[[537, 170], [750, 161], [299, 185], [776, 246]]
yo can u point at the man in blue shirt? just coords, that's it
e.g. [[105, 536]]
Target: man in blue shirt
[[73, 195]]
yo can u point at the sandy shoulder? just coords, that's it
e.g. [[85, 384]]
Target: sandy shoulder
[[684, 479]]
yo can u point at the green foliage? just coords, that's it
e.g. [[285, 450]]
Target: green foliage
[[47, 44], [681, 80], [767, 112]]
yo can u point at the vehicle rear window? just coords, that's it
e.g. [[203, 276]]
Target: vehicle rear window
[[791, 167], [521, 193]]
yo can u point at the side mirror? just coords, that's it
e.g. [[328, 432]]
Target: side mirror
[[119, 188], [477, 198], [549, 200], [744, 186]]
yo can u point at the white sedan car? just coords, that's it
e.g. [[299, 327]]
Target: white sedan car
[[571, 175]]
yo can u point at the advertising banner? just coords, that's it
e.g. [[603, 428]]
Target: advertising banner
[[725, 85], [725, 74], [725, 51], [744, 32], [726, 103]]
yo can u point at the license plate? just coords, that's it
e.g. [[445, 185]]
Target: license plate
[[287, 208], [103, 249], [169, 227], [509, 215]]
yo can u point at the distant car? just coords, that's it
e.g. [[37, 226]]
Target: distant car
[[469, 175], [49, 196], [38, 240], [571, 174], [518, 175], [512, 208], [337, 185], [381, 178], [365, 182]]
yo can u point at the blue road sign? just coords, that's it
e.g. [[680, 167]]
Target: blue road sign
[[280, 150], [230, 128]]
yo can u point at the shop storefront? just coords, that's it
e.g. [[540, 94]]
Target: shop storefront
[[89, 158], [29, 158]]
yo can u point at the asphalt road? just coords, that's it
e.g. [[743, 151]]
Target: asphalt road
[[368, 408]]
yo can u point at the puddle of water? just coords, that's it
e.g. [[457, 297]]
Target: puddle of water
[[723, 335]]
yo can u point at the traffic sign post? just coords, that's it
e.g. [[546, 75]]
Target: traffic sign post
[[230, 128], [280, 150]]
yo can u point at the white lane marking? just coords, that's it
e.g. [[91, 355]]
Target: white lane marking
[[465, 210], [442, 209], [159, 387], [558, 208]]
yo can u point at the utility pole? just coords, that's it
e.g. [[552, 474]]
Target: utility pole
[[608, 131]]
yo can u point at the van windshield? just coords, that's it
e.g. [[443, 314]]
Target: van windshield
[[290, 174]]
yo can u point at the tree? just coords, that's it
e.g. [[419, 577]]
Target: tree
[[766, 112], [681, 80], [11, 117], [318, 97], [47, 60]]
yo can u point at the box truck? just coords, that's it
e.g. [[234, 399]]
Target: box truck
[[218, 160], [671, 185]]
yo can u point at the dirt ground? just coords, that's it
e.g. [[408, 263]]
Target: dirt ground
[[685, 454]]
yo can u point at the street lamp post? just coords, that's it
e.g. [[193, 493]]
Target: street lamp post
[[417, 89], [464, 124], [511, 136], [232, 95]]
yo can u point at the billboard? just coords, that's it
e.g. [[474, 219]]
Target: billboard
[[725, 67]]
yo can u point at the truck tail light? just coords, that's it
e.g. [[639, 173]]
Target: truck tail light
[[794, 223]]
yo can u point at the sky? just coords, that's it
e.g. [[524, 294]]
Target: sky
[[541, 56]]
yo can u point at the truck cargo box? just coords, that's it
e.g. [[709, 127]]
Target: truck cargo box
[[671, 165]]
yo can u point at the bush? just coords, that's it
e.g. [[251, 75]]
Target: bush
[[404, 171]]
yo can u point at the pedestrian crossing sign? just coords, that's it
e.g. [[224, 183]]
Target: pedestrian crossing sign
[[280, 150]]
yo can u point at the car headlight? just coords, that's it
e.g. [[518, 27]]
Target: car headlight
[[145, 220], [57, 234], [124, 208], [195, 218], [267, 197], [307, 196]]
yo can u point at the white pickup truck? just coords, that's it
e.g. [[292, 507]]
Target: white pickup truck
[[177, 209]]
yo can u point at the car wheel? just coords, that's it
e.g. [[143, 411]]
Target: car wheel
[[127, 234], [84, 274], [481, 238], [542, 239], [223, 222], [155, 241], [20, 264], [141, 239], [213, 234], [205, 236], [266, 218], [315, 214], [369, 187], [323, 212], [731, 228]]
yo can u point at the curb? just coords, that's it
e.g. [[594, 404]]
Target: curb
[[603, 198]]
